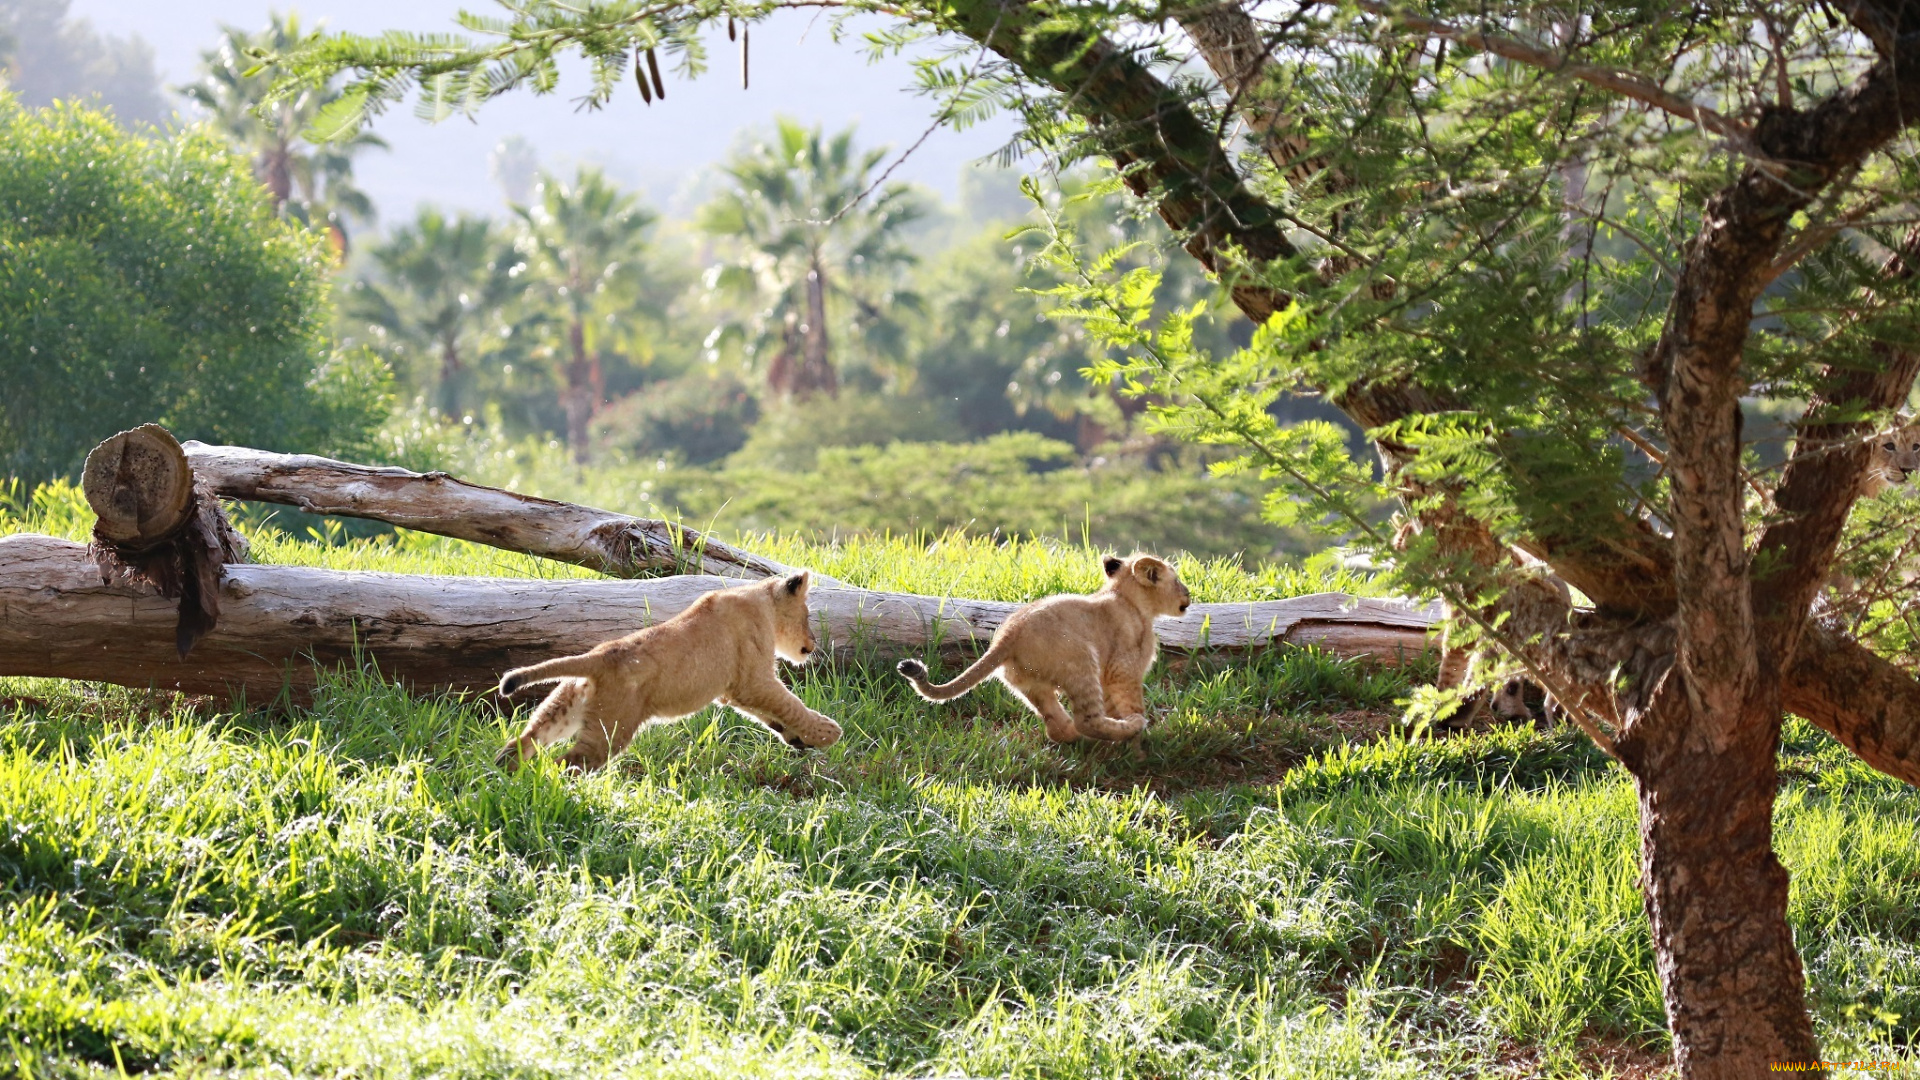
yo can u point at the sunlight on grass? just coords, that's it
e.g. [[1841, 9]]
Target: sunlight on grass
[[1274, 882]]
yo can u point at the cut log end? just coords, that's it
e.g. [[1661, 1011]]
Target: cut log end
[[140, 486], [154, 525]]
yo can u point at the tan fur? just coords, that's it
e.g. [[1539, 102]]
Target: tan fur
[[720, 649], [1095, 649], [1896, 456]]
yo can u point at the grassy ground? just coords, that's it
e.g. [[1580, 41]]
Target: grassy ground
[[1270, 884]]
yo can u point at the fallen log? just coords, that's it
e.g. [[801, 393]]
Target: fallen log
[[58, 618], [435, 502]]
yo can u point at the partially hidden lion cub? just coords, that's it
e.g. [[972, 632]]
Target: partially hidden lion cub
[[1096, 649], [720, 649], [1896, 456]]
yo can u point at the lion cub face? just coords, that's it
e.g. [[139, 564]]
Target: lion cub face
[[1897, 453], [792, 630], [1151, 583]]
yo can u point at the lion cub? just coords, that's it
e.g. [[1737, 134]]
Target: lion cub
[[1094, 648], [1896, 456], [720, 649]]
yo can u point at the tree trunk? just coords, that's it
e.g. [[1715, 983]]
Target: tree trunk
[[276, 173], [784, 368], [57, 618], [596, 384], [577, 398], [449, 371], [817, 375], [1714, 890]]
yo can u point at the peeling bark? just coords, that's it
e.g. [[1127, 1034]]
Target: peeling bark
[[1715, 893]]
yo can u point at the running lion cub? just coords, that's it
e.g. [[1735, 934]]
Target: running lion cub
[[1096, 649], [720, 649]]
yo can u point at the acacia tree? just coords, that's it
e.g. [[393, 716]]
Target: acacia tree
[[581, 246], [1541, 252], [806, 235]]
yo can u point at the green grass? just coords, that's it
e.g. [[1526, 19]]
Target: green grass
[[1271, 884]]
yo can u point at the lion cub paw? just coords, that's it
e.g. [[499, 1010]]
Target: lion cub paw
[[818, 733], [511, 755]]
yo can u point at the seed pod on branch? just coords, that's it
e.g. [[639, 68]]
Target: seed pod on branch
[[653, 66], [640, 79]]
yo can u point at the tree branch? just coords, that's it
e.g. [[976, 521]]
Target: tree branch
[[1872, 707], [1162, 149], [1812, 238], [1822, 478], [1625, 83], [1695, 371]]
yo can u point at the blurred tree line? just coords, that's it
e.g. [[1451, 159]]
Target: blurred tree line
[[812, 348], [582, 314], [46, 54]]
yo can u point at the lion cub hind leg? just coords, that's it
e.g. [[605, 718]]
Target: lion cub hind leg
[[558, 718], [590, 750], [787, 716], [1042, 697], [1090, 711]]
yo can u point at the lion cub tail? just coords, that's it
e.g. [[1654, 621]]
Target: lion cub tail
[[915, 672], [565, 667]]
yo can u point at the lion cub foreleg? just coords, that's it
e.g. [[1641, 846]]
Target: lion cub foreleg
[[1126, 695], [770, 702], [557, 719]]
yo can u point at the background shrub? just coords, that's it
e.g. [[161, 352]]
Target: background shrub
[[696, 418], [147, 279]]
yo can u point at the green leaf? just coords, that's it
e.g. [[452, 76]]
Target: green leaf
[[341, 119]]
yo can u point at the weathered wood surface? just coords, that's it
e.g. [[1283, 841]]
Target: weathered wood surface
[[460, 633], [140, 487], [435, 502]]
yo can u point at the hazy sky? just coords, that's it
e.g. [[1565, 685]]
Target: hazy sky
[[797, 70]]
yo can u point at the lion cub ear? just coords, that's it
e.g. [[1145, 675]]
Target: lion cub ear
[[1112, 564], [1150, 570], [797, 584]]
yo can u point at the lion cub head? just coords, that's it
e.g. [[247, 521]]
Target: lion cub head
[[1896, 455], [792, 628], [1149, 583]]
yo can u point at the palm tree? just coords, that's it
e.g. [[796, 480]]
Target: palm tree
[[442, 281], [308, 182], [810, 242], [582, 246]]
